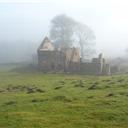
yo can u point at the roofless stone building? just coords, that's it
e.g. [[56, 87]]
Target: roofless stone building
[[68, 60]]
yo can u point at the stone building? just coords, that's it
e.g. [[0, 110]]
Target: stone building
[[50, 59], [68, 60]]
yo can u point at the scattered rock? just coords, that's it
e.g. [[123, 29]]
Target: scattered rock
[[95, 83], [21, 88], [67, 100], [40, 90], [124, 93], [62, 82], [110, 94], [2, 91], [107, 86], [11, 103], [34, 90], [90, 97], [75, 99], [34, 100], [43, 100], [79, 84], [121, 80], [30, 90], [17, 88], [92, 87], [59, 87], [61, 98], [111, 82], [108, 80]]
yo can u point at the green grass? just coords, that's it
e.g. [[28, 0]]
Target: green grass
[[65, 101]]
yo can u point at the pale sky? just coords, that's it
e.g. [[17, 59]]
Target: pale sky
[[29, 20]]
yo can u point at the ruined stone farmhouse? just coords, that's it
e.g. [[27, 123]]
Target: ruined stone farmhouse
[[68, 60]]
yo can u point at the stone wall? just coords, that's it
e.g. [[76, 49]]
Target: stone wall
[[91, 68], [55, 61], [51, 60], [106, 69], [73, 67]]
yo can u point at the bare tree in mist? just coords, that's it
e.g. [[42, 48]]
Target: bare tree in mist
[[62, 31], [85, 37], [65, 31]]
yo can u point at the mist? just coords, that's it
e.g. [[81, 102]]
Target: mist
[[24, 24]]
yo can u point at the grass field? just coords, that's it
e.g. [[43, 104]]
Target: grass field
[[32, 99]]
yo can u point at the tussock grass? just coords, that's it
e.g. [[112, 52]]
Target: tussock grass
[[61, 100]]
